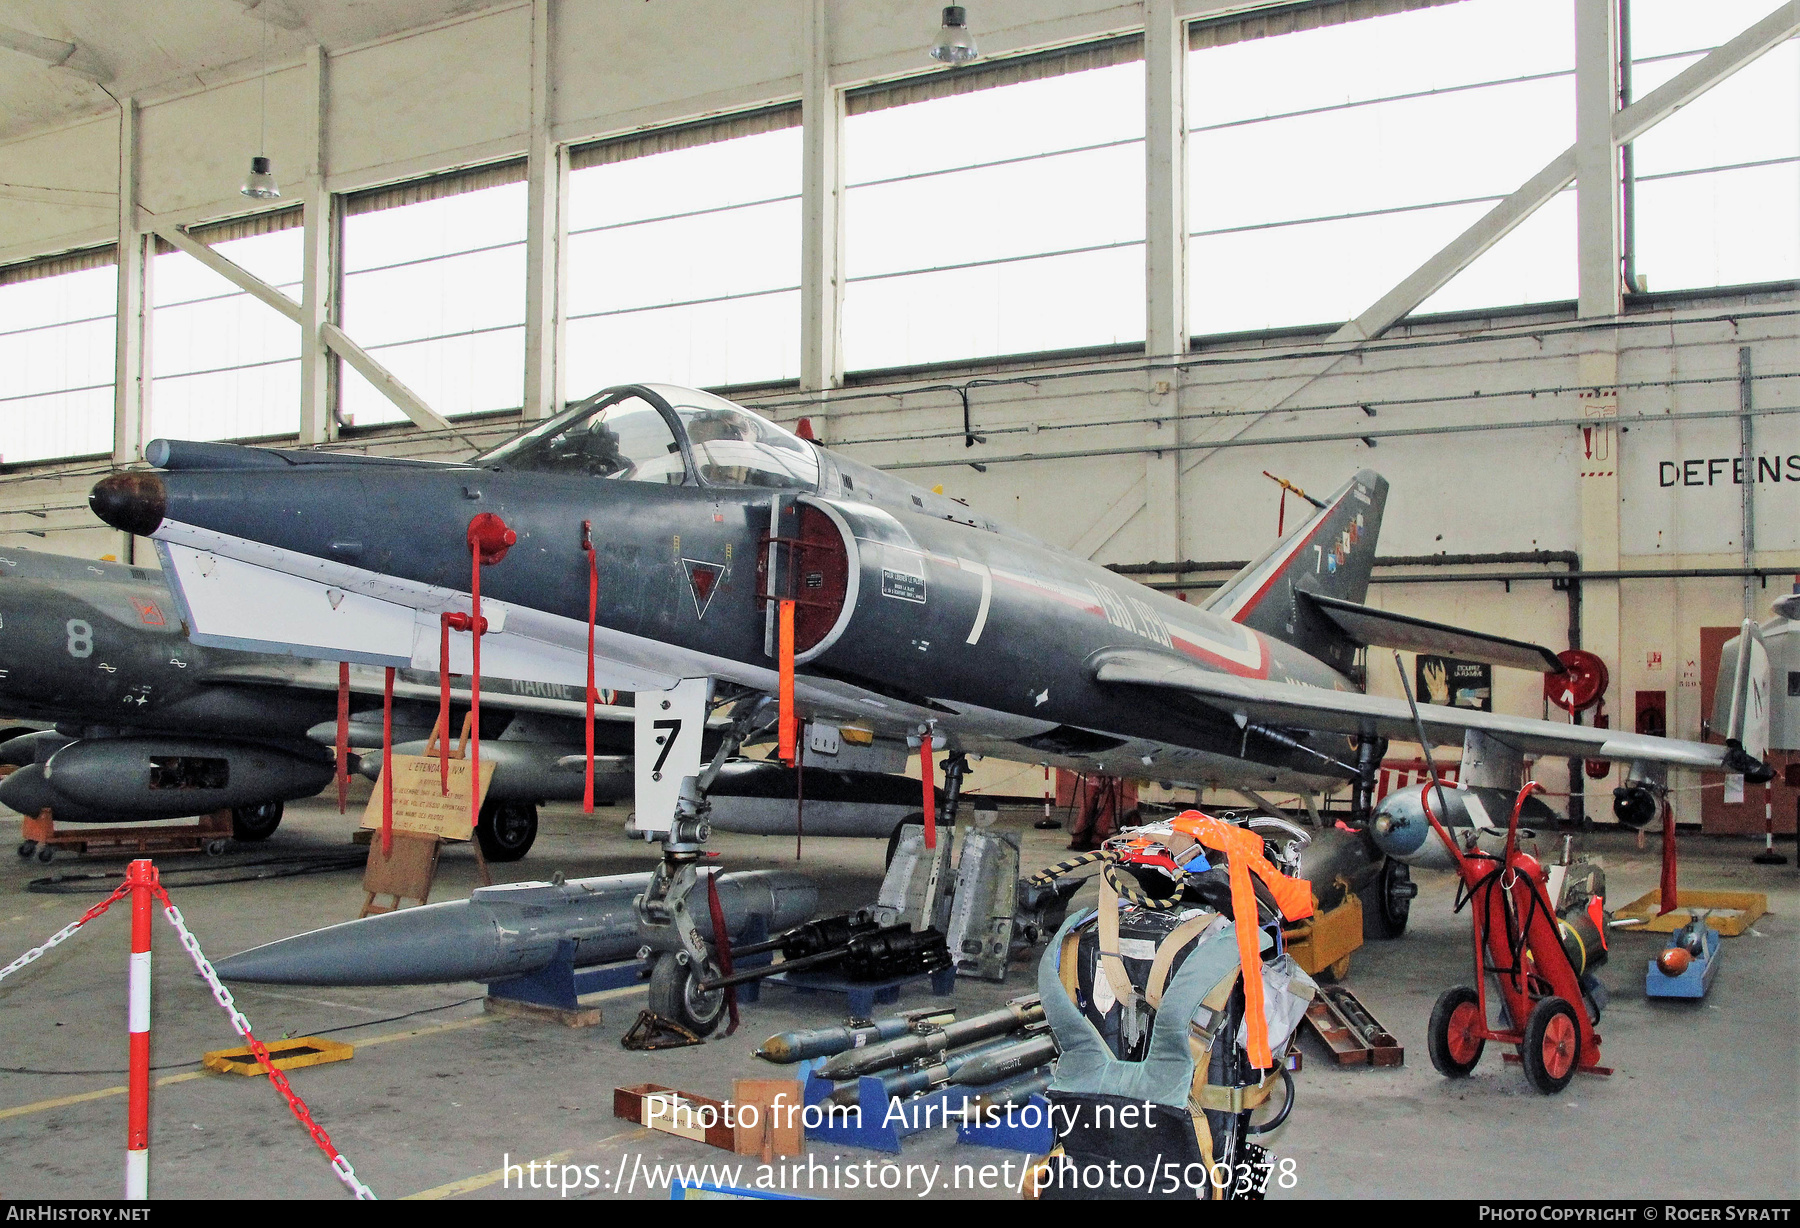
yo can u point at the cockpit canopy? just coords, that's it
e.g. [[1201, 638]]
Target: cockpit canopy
[[663, 434]]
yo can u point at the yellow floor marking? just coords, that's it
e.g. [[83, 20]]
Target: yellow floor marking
[[42, 1106], [483, 1180], [59, 1102], [452, 1189]]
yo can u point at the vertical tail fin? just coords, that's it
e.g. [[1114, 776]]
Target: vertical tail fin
[[1331, 554]]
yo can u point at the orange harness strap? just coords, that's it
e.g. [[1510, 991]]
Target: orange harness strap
[[1244, 856]]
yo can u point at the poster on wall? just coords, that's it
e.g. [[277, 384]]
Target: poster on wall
[[1451, 683]]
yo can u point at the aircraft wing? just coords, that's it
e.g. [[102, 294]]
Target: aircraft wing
[[1350, 712]]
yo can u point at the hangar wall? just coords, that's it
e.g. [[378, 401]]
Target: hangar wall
[[1078, 448]]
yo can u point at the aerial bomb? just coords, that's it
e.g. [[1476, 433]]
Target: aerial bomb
[[507, 930], [1013, 1015], [1005, 1061], [948, 1068], [1473, 817], [797, 1046]]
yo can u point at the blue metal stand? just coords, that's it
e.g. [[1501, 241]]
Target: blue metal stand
[[877, 1121], [864, 996], [558, 984], [1028, 1129], [1691, 984]]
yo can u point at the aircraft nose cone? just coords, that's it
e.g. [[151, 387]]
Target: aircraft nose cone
[[133, 502]]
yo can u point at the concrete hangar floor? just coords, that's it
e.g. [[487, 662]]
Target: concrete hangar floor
[[440, 1094]]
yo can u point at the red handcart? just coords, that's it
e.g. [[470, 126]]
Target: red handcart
[[1519, 948]]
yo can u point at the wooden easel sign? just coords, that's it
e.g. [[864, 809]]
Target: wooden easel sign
[[424, 817], [420, 804]]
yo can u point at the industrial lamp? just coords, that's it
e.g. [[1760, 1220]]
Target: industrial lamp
[[954, 44], [260, 183]]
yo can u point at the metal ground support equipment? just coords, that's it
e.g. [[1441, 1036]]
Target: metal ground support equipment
[[1353, 1036], [1519, 949]]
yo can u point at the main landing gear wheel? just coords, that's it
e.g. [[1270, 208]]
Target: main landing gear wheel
[[675, 994], [506, 830], [1552, 1045], [1387, 901], [252, 823], [1453, 1034]]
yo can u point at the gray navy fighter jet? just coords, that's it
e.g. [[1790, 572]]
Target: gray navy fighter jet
[[147, 725], [913, 615]]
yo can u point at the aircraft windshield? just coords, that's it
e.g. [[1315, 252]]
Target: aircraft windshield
[[628, 439], [734, 447]]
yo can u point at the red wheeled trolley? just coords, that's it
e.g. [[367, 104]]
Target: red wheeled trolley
[[1518, 948]]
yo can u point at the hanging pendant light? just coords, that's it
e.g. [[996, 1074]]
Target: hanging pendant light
[[954, 44], [260, 183]]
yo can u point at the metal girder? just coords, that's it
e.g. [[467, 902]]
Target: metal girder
[[318, 236], [546, 232], [236, 274], [131, 319], [385, 381], [821, 211], [70, 57], [1628, 125]]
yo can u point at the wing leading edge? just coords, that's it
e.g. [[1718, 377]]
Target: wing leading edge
[[1352, 713]]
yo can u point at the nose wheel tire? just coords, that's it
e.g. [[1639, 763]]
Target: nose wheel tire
[[1552, 1046], [507, 830], [252, 823], [1453, 1036], [675, 994]]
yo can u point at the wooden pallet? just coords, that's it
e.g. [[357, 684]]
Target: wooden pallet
[[1731, 912], [206, 832], [1352, 1035]]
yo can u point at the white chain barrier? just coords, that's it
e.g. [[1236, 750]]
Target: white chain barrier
[[340, 1167]]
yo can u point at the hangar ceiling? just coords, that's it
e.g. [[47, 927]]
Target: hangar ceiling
[[154, 48]]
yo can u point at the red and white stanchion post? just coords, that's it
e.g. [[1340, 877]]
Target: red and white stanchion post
[[142, 884], [141, 879]]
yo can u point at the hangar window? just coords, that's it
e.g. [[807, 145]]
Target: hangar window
[[1714, 188], [226, 366], [56, 356], [996, 210], [434, 289], [684, 255], [1333, 148]]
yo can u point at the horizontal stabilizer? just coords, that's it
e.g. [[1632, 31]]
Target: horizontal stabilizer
[[1351, 712], [1390, 630]]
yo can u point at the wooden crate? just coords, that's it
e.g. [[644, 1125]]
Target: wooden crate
[[1328, 938], [633, 1104]]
